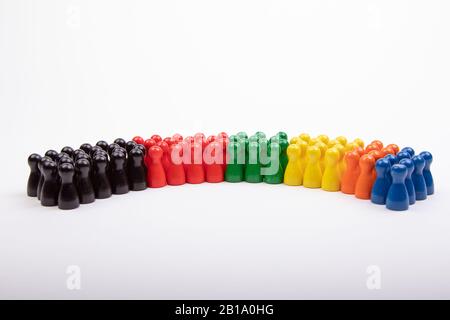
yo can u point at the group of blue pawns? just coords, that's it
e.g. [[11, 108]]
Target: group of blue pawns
[[403, 179]]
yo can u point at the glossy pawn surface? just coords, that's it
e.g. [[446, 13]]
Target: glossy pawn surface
[[312, 177], [366, 178], [175, 174], [293, 175], [118, 174], [136, 170], [331, 179], [429, 182], [100, 179], [417, 177], [83, 181], [409, 164], [397, 197], [382, 183], [50, 187], [351, 173], [68, 195], [34, 176], [156, 177]]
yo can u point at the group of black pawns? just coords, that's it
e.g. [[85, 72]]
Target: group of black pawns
[[72, 177]]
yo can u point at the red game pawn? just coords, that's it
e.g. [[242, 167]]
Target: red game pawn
[[378, 143], [166, 155], [371, 147], [149, 143], [156, 177], [138, 140], [213, 163], [156, 138], [177, 138], [168, 140], [366, 179], [194, 170], [395, 147], [175, 172]]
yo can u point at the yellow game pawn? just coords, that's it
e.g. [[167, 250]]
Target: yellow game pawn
[[331, 180], [303, 158], [313, 174], [332, 143], [350, 147], [342, 140], [342, 164], [294, 140], [305, 137], [324, 138], [293, 176], [359, 142], [323, 148]]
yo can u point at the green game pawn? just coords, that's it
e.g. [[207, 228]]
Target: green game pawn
[[253, 166], [242, 135], [284, 144], [282, 135], [260, 135], [277, 177], [235, 169]]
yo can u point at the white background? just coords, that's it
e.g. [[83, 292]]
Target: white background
[[80, 71]]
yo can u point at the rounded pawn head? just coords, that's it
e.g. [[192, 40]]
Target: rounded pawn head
[[52, 154], [342, 140], [130, 145], [282, 135], [409, 164], [136, 156], [391, 158], [68, 150], [83, 167], [378, 143], [78, 151], [428, 157], [155, 152], [49, 167], [399, 173], [112, 147], [177, 137], [294, 152], [102, 144], [324, 138], [149, 143], [100, 161], [409, 150], [403, 155], [372, 147], [157, 138], [142, 148], [359, 142], [66, 171], [121, 142], [377, 154], [138, 139], [313, 153], [382, 166], [419, 163], [352, 159], [33, 161], [332, 156], [394, 147], [305, 137], [341, 150], [244, 135], [65, 159], [86, 147], [367, 162]]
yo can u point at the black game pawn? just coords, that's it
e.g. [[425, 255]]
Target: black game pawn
[[130, 145], [118, 174], [95, 149], [136, 170], [102, 144], [41, 179], [86, 147], [61, 155], [35, 175], [112, 147], [142, 147], [68, 195], [50, 187], [68, 150], [78, 151], [52, 154], [83, 156], [83, 181], [65, 159], [121, 142], [102, 186]]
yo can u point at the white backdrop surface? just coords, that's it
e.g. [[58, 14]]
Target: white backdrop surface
[[80, 71]]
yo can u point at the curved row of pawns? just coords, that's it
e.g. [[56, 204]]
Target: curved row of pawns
[[384, 174]]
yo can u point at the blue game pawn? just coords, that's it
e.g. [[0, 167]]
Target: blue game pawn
[[409, 150], [397, 197], [392, 159], [427, 173], [402, 155], [418, 179], [382, 183], [409, 164]]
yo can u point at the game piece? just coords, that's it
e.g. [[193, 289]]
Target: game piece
[[168, 140], [359, 142], [305, 137], [61, 155], [293, 175], [68, 150], [77, 151], [409, 164], [342, 164], [312, 177], [388, 150], [377, 154], [100, 180], [34, 176], [244, 135], [392, 159], [378, 143], [350, 147], [409, 150], [165, 160], [194, 168], [332, 143], [121, 142], [67, 159], [156, 176], [282, 135], [323, 149], [175, 175], [130, 145], [156, 138], [86, 147], [394, 147], [284, 144], [149, 143], [324, 138], [112, 147], [136, 171], [371, 147], [402, 155], [294, 140], [68, 195], [142, 148], [274, 169], [342, 140], [102, 144], [253, 165], [236, 162], [351, 174], [213, 167], [303, 156], [382, 182], [52, 154], [331, 179], [417, 177], [366, 178], [427, 172], [41, 178], [118, 174], [138, 140], [83, 181], [50, 187], [397, 197], [177, 138]]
